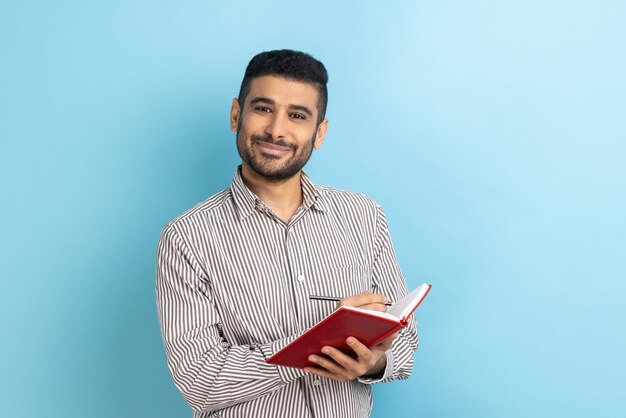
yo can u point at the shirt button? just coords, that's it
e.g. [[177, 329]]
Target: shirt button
[[317, 382], [300, 278]]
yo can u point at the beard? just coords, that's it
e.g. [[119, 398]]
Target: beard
[[270, 166]]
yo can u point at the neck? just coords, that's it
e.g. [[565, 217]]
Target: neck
[[283, 196]]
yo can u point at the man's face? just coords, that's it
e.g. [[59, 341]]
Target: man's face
[[277, 126]]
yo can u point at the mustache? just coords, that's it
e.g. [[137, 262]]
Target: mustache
[[268, 138]]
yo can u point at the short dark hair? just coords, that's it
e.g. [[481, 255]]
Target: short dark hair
[[292, 65]]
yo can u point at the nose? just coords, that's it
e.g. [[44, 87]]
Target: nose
[[277, 127]]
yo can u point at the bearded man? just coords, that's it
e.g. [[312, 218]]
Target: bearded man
[[235, 272]]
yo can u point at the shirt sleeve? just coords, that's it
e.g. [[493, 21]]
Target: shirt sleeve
[[210, 373], [388, 280]]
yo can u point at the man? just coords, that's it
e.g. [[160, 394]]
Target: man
[[234, 273]]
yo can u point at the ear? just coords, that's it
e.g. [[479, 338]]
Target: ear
[[235, 114], [320, 134]]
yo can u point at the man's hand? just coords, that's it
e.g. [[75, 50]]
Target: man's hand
[[342, 367], [337, 365], [365, 300]]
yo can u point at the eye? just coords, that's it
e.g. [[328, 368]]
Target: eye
[[263, 109], [298, 116]]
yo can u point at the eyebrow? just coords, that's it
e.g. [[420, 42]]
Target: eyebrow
[[291, 106]]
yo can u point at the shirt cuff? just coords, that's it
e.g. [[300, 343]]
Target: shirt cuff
[[286, 374], [386, 374]]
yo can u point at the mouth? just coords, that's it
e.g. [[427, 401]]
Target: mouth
[[272, 149]]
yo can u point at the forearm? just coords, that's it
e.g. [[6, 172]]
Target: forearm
[[224, 375], [397, 362], [402, 354]]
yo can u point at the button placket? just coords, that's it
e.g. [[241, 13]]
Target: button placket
[[299, 278]]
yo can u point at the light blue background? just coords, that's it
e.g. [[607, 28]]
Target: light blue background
[[491, 131]]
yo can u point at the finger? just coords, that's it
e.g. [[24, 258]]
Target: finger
[[367, 358], [364, 298], [340, 358], [375, 307], [350, 367], [361, 350], [318, 371], [327, 363]]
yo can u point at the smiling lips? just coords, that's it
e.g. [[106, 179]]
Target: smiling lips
[[272, 149]]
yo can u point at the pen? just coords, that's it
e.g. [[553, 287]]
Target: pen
[[337, 299]]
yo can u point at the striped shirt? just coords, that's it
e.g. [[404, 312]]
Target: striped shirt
[[233, 286]]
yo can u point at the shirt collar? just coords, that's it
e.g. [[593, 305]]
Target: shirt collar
[[246, 201]]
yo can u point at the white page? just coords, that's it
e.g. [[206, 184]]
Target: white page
[[407, 304], [402, 308]]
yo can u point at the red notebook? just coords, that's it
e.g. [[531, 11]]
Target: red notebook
[[369, 327]]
